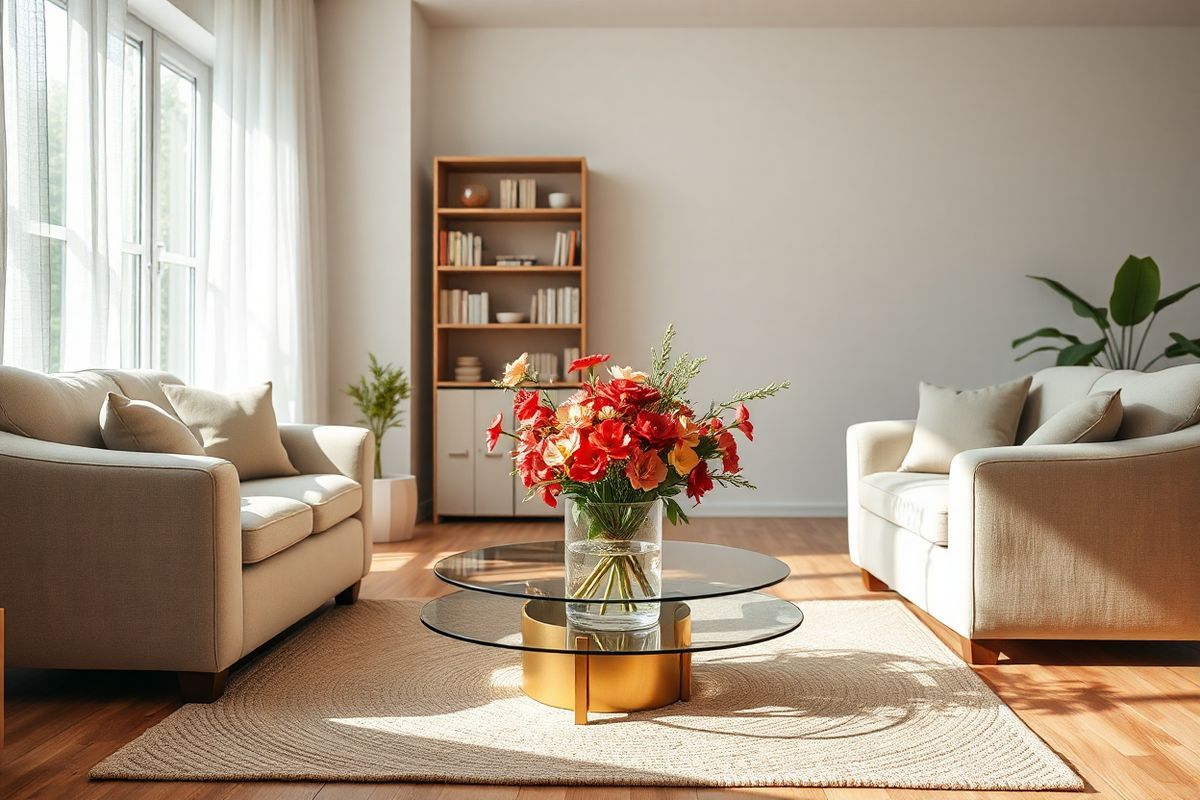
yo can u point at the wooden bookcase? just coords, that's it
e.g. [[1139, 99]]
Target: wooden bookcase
[[504, 230]]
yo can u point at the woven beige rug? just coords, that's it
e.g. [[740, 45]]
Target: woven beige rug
[[862, 694]]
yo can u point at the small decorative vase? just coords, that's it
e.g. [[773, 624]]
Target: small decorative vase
[[475, 195], [613, 552]]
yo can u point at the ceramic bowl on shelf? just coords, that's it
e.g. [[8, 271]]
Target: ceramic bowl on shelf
[[510, 317], [560, 200]]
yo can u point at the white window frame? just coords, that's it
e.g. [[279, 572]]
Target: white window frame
[[158, 50]]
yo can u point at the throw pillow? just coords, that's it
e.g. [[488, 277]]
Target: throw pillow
[[1095, 418], [238, 427], [950, 421], [143, 427]]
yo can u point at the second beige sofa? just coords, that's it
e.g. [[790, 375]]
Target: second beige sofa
[[123, 560]]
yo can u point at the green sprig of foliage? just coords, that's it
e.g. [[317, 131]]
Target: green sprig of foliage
[[378, 396]]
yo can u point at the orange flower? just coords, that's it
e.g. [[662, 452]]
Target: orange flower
[[628, 374], [646, 471], [688, 431], [683, 457], [516, 372], [558, 449]]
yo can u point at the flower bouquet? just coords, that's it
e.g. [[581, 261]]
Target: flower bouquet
[[620, 451]]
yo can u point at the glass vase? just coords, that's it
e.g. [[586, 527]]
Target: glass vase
[[613, 553]]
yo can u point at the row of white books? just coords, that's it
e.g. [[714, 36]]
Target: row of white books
[[555, 306], [518, 193], [545, 366], [566, 245], [460, 307], [462, 249]]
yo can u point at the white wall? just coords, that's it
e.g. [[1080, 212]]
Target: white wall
[[366, 104], [852, 209]]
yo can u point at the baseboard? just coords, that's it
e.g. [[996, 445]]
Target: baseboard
[[719, 508]]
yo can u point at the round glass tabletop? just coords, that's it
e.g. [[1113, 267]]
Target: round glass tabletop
[[541, 625], [690, 570]]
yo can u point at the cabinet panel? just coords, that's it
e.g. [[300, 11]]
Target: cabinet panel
[[493, 478], [455, 452], [534, 507]]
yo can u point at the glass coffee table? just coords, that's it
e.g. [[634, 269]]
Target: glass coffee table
[[514, 596]]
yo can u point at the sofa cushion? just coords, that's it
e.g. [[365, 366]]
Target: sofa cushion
[[1052, 390], [62, 408], [332, 498], [143, 427], [271, 525], [1095, 418], [239, 427], [1155, 402], [915, 501], [950, 421]]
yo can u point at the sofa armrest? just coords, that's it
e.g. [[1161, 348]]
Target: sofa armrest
[[344, 449], [116, 560], [1080, 541], [871, 447]]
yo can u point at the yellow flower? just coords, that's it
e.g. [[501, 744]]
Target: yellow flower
[[689, 432], [574, 415], [608, 412], [516, 372], [628, 373], [683, 458], [559, 448]]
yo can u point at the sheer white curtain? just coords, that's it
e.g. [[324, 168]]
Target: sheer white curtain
[[264, 308], [62, 158]]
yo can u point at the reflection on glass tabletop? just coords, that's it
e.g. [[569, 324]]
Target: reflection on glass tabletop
[[524, 624], [690, 570]]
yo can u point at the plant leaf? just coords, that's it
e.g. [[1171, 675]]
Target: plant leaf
[[1081, 354], [1172, 299], [1183, 347], [1056, 348], [1080, 306], [1135, 291], [1045, 333]]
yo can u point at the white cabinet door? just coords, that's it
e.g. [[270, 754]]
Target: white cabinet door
[[456, 437], [493, 471], [534, 507]]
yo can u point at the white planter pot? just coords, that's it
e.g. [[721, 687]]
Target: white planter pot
[[395, 508]]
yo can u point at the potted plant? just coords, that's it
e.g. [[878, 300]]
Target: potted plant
[[620, 452], [378, 396], [1135, 300]]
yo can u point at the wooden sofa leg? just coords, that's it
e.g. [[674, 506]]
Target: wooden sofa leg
[[872, 583], [202, 687], [349, 595], [979, 652]]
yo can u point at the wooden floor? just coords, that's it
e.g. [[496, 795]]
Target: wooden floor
[[1125, 715]]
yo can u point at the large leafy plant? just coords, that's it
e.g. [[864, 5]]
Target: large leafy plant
[[1135, 301], [378, 396]]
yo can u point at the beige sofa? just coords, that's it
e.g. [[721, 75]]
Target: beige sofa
[[122, 560], [1077, 541]]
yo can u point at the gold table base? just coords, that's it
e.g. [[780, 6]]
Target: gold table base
[[587, 680]]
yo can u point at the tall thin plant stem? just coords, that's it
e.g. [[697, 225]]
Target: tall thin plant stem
[[1141, 344]]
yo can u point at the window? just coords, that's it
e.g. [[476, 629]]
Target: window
[[167, 97]]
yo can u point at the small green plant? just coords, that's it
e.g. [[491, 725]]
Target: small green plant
[[1135, 301], [378, 396]]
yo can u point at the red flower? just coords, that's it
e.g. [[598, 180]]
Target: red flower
[[548, 492], [729, 454], [588, 464], [699, 482], [658, 430], [526, 404], [587, 362], [540, 418], [613, 437], [743, 422], [494, 431], [530, 465], [626, 395]]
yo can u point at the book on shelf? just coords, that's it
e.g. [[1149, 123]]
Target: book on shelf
[[555, 306], [460, 249], [545, 366], [566, 245], [460, 307], [518, 193], [515, 261]]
